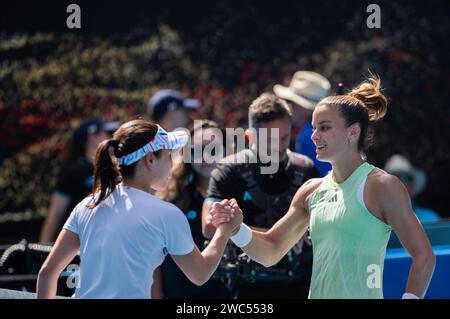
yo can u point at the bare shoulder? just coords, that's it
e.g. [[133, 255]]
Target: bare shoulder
[[300, 159], [385, 194], [311, 185], [382, 183], [304, 192]]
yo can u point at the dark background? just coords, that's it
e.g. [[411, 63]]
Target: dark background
[[223, 52]]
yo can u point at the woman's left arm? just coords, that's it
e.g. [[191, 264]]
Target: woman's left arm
[[65, 249], [395, 205]]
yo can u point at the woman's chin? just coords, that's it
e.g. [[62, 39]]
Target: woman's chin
[[321, 157]]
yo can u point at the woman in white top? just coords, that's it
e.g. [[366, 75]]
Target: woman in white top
[[122, 231]]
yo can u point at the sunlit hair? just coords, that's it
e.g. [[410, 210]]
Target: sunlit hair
[[365, 104]]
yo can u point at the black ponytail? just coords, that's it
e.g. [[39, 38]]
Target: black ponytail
[[106, 171], [130, 137]]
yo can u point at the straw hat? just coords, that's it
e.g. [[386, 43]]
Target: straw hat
[[306, 89]]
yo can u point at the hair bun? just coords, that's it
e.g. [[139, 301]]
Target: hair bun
[[369, 92]]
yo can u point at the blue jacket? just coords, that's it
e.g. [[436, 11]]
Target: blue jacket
[[304, 145]]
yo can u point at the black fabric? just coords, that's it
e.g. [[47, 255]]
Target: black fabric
[[177, 286], [264, 199], [194, 217], [75, 182], [227, 181], [175, 283]]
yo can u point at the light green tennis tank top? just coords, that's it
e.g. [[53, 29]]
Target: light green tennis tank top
[[349, 243]]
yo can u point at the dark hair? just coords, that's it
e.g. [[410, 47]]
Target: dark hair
[[128, 138], [267, 107], [77, 145], [365, 104], [182, 180]]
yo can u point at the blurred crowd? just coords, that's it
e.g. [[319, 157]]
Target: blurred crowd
[[227, 56]]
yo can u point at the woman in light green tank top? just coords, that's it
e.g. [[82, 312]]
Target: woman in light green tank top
[[351, 211]]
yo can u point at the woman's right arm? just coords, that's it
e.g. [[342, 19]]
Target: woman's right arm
[[208, 228], [267, 248], [157, 290], [199, 266], [58, 206]]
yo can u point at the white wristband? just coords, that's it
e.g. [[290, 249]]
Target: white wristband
[[243, 236], [408, 295]]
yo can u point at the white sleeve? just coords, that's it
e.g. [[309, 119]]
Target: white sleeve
[[72, 222], [178, 237]]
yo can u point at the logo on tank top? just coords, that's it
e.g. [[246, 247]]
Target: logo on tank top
[[333, 199], [332, 196]]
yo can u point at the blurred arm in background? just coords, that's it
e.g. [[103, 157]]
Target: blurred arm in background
[[58, 206]]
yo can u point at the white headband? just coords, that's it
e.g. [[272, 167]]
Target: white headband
[[162, 140]]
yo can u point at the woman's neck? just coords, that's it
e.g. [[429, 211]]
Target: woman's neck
[[139, 184], [344, 168]]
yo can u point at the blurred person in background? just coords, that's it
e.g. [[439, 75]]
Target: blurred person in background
[[303, 93], [186, 188], [171, 109], [75, 180], [415, 181], [266, 197]]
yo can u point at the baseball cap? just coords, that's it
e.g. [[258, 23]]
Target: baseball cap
[[92, 126], [166, 100]]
